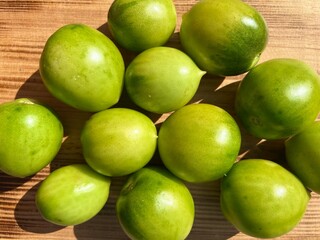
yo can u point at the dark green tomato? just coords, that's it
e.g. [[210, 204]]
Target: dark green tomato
[[82, 67], [224, 37], [30, 136], [303, 156], [262, 199], [72, 195], [278, 98]]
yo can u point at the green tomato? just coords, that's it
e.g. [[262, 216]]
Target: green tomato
[[162, 79], [72, 195], [278, 98], [30, 136], [118, 141], [139, 25], [262, 199], [303, 156], [154, 204], [82, 67], [199, 142], [224, 37]]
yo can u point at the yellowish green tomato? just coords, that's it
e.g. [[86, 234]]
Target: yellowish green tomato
[[30, 135], [224, 37], [118, 141], [303, 156], [138, 25], [262, 199], [82, 67], [278, 98], [72, 194], [199, 142], [154, 204], [162, 79]]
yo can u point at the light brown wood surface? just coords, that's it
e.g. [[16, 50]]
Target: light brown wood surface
[[294, 30]]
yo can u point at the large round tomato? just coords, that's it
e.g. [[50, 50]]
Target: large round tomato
[[199, 142], [303, 156], [278, 98], [224, 37], [262, 199], [82, 67]]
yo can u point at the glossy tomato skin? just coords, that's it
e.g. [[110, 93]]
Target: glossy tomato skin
[[154, 204], [72, 194], [118, 141], [303, 156], [262, 199], [224, 37], [82, 67], [199, 142], [162, 79], [30, 135], [278, 98], [140, 25]]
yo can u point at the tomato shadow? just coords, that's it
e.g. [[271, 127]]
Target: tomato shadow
[[209, 222], [105, 224], [8, 183], [28, 217], [273, 150]]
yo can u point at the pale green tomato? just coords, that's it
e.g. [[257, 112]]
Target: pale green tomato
[[262, 199], [154, 204], [82, 67], [72, 195], [139, 25], [199, 142], [162, 79], [118, 141], [30, 136]]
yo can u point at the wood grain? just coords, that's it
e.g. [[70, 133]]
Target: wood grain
[[25, 26]]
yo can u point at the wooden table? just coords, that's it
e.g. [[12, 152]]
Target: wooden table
[[25, 26]]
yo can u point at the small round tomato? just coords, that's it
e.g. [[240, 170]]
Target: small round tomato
[[82, 67], [303, 156], [278, 98], [139, 25], [262, 199], [72, 195], [30, 136], [224, 37]]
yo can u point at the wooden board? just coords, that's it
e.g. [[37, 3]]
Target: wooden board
[[25, 26]]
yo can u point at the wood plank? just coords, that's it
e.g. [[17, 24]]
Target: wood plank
[[24, 27]]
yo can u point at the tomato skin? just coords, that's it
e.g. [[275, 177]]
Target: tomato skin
[[154, 204], [72, 194], [199, 142], [82, 67], [262, 199], [278, 98], [303, 156], [31, 136], [224, 37], [162, 79], [138, 25]]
